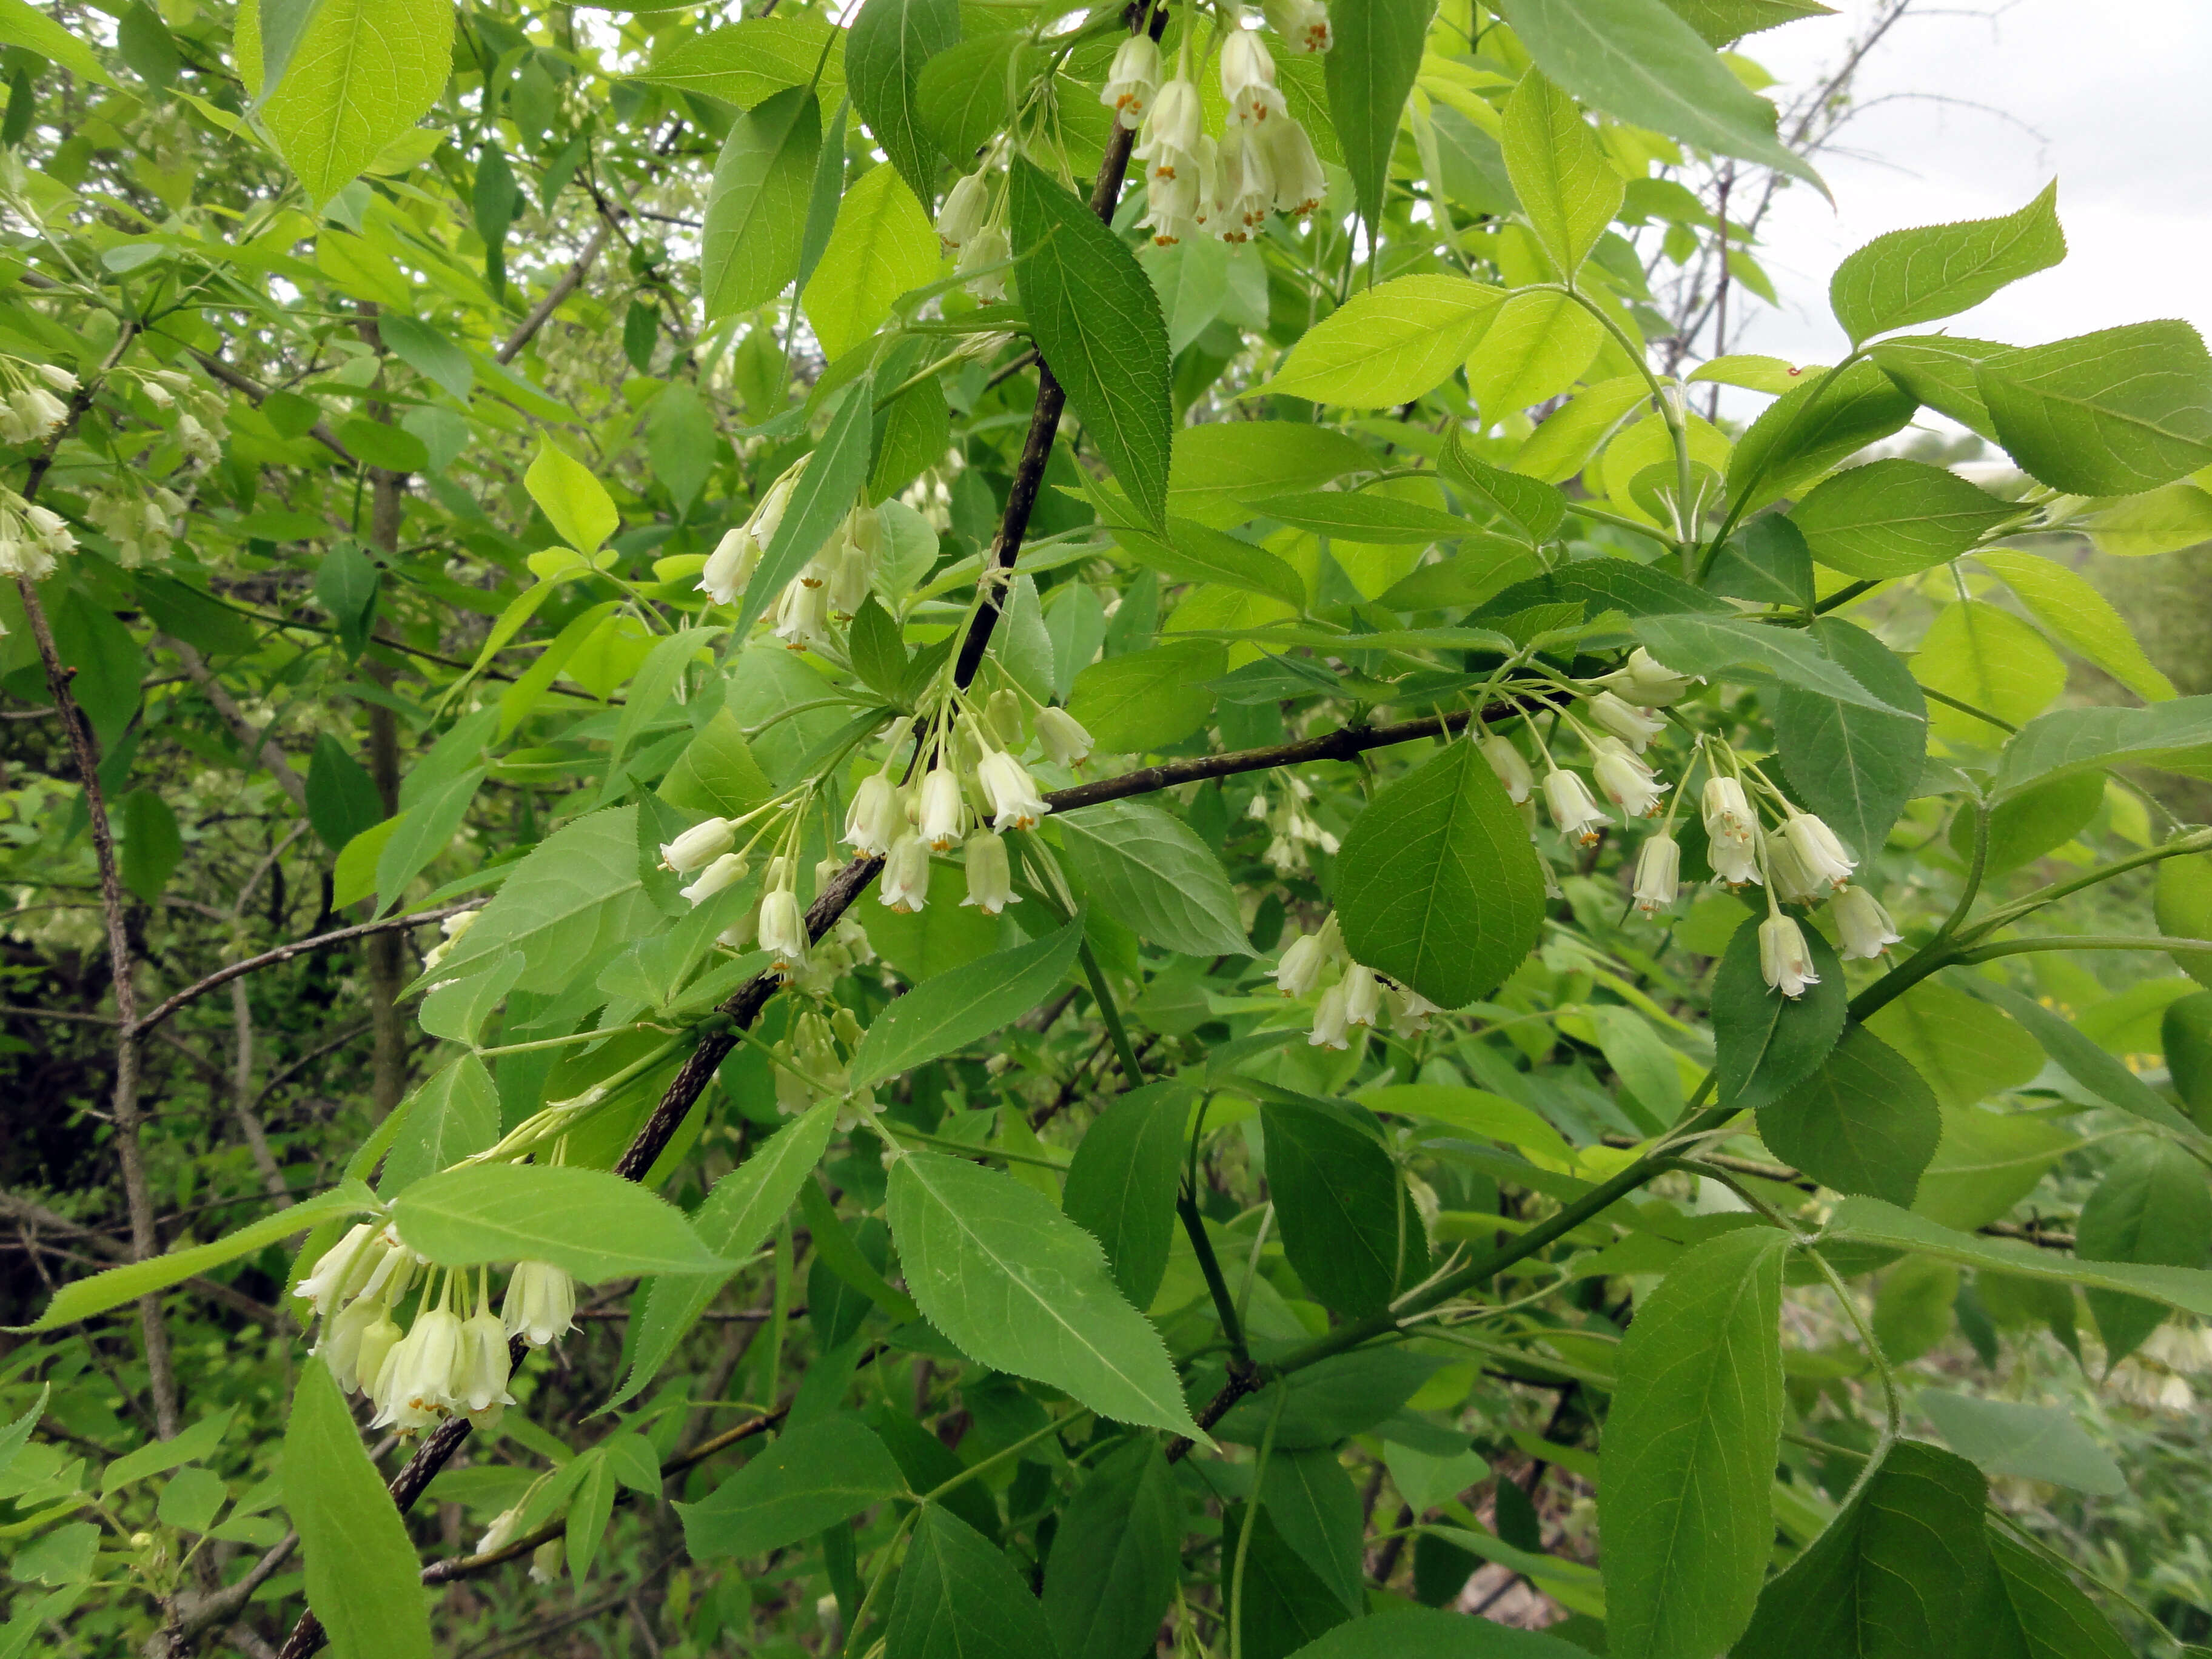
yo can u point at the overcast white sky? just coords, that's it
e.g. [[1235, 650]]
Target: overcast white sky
[[2110, 99]]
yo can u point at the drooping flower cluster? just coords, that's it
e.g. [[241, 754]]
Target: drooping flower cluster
[[1798, 860], [1351, 996], [1294, 827], [973, 233], [448, 1362], [31, 538], [141, 523], [1262, 163]]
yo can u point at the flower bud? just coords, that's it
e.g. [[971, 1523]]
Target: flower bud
[[986, 254], [1065, 743], [725, 871], [699, 846], [990, 874], [1002, 717], [1512, 768], [962, 215], [874, 820], [1363, 996], [540, 1304], [1646, 681], [1633, 726], [1658, 873]]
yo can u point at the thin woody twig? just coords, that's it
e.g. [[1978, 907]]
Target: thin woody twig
[[285, 952]]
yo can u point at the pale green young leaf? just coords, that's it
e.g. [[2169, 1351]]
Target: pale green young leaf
[[1570, 434], [84, 1297], [1220, 464], [885, 49], [364, 1582], [757, 204], [2080, 1057], [1536, 509], [1015, 1286], [1536, 347], [575, 502], [1894, 516], [1720, 646], [806, 1479], [1807, 431], [1865, 1121], [1438, 886], [159, 1456], [1097, 325], [738, 1214], [963, 91], [1149, 871], [1720, 22], [1389, 344], [361, 73], [880, 247], [1920, 275], [453, 1115], [1989, 658], [2063, 601], [1368, 519], [1966, 1049], [1686, 1461], [2162, 520], [1368, 72], [1567, 187], [570, 901], [23, 24], [2112, 413], [746, 63], [1899, 1571], [941, 1015], [1938, 370], [592, 1225], [1639, 61]]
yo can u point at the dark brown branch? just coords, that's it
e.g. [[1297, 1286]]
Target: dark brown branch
[[286, 952]]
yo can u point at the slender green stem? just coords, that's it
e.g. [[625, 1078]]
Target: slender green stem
[[883, 1575], [1892, 1402], [1244, 1533], [1004, 1454], [1583, 509], [1111, 1011], [571, 1040], [1982, 714], [1844, 596], [1193, 1226], [901, 1134], [1975, 866], [2198, 841], [2014, 947]]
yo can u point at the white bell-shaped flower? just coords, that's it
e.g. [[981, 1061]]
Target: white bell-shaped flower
[[1783, 960], [730, 567], [1168, 140], [1626, 781], [725, 871], [1248, 78], [1735, 863], [1866, 928], [1512, 766], [783, 930], [1300, 184], [1303, 23], [1331, 1028], [983, 262], [540, 1304], [942, 810], [962, 216], [341, 1271], [1823, 856], [906, 875], [1634, 726], [875, 819], [1786, 874], [1574, 809], [1727, 814], [1011, 790], [480, 1383], [1648, 682], [1134, 81], [414, 1386], [1658, 873], [990, 874], [1062, 737], [1244, 185], [699, 846], [1363, 995]]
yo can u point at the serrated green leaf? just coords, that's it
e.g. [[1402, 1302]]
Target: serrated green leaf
[[811, 1478], [1148, 871], [1017, 1286], [590, 1223], [888, 42], [756, 203], [1438, 886], [1569, 190], [2112, 413], [954, 1010], [2065, 602], [880, 247], [959, 1597], [1389, 344], [363, 1581], [1112, 1572], [361, 74], [1146, 700], [1865, 1121], [1855, 765], [1686, 1461], [1892, 517], [1194, 552], [820, 500], [746, 63], [1920, 275], [2032, 1443], [1368, 72], [2152, 1207]]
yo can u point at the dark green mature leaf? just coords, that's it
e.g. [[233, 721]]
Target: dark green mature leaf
[[592, 1224], [954, 1010], [363, 1580], [153, 845], [1603, 585], [1017, 1286], [2036, 1442], [757, 205], [426, 350], [888, 42], [1370, 71], [342, 798], [1871, 1221], [1287, 1605], [1854, 765], [2152, 1207], [2066, 741], [1768, 564], [959, 1597], [745, 63], [1146, 700], [716, 774], [84, 1297], [1917, 275], [1686, 1462], [1893, 517], [1095, 317], [820, 500], [1438, 886], [1864, 1122], [802, 1481], [1898, 1575], [738, 1214], [2185, 1034], [1805, 432], [1938, 370], [1639, 61], [1121, 1184], [1715, 646], [1310, 1498], [1150, 871], [1349, 1228], [1570, 190], [1331, 1400], [1431, 1633], [1194, 552], [1371, 520], [2032, 1610], [1764, 1043], [2112, 413], [1113, 1568]]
